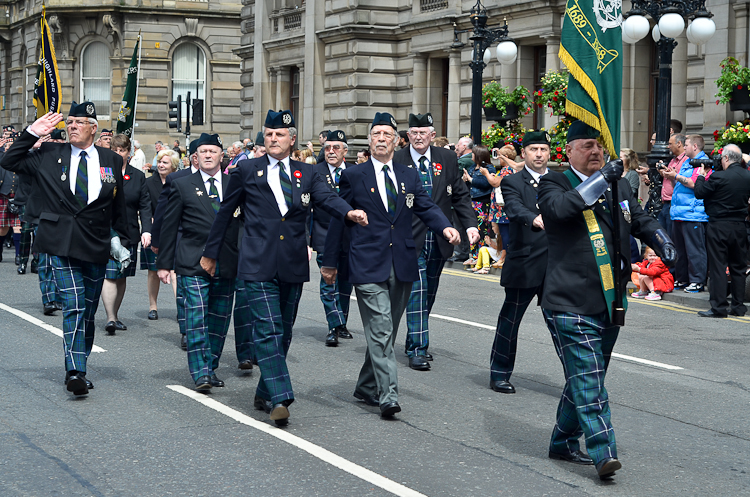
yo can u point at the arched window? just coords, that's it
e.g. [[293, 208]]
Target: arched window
[[188, 73], [96, 71]]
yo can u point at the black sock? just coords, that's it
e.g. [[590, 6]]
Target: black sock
[[2, 242], [17, 242]]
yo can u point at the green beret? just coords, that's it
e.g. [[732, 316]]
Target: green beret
[[336, 135], [260, 141], [278, 120], [193, 147], [85, 109], [207, 139], [535, 138], [384, 119], [420, 120], [580, 130]]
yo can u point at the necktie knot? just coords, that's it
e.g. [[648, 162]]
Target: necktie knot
[[423, 164]]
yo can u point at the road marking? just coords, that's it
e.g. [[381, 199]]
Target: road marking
[[463, 321], [312, 449], [31, 319], [684, 309], [644, 361], [464, 273]]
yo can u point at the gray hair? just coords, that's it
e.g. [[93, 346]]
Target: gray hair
[[679, 138], [238, 145], [732, 152], [469, 142], [136, 144]]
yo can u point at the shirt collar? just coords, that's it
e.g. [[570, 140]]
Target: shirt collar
[[415, 156], [75, 151], [341, 166], [379, 165], [273, 161], [578, 173], [535, 174], [205, 176]]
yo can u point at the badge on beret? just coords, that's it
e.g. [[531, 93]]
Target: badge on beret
[[340, 135], [429, 118], [409, 200], [90, 110], [548, 137], [305, 198], [286, 119], [393, 122]]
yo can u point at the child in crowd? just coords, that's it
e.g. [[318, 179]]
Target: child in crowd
[[652, 277], [487, 255]]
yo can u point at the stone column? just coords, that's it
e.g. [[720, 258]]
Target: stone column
[[312, 78], [419, 85], [454, 96], [679, 80]]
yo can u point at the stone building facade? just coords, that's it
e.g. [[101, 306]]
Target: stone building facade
[[336, 62], [187, 46]]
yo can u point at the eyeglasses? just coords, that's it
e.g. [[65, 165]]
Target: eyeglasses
[[77, 122], [420, 133], [335, 147], [382, 134]]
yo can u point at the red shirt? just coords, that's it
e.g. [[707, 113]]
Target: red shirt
[[667, 186]]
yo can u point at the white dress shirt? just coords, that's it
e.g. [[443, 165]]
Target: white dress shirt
[[535, 174], [332, 169], [380, 178], [415, 156], [205, 176], [92, 169], [275, 183]]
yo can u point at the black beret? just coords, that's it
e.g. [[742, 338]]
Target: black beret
[[281, 119], [259, 140], [193, 147], [85, 109], [106, 131], [336, 136], [420, 120], [207, 139], [384, 119], [580, 130], [535, 138], [9, 128], [58, 134]]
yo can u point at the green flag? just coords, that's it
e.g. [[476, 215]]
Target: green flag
[[126, 116], [47, 94], [591, 48]]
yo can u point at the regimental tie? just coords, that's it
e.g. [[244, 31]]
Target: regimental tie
[[82, 180], [424, 173], [336, 177], [286, 185], [390, 192], [213, 194]]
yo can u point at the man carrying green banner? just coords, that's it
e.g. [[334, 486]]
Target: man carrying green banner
[[126, 115], [580, 215]]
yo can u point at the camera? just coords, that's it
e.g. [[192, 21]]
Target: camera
[[495, 153], [714, 163]]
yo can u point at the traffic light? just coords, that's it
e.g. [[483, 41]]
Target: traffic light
[[197, 112], [175, 112]]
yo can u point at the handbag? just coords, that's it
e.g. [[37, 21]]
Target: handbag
[[499, 197]]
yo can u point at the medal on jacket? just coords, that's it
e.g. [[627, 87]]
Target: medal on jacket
[[64, 176], [403, 189], [449, 188], [409, 200], [625, 207]]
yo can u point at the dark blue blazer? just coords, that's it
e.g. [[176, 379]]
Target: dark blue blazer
[[273, 246], [161, 205], [320, 218], [385, 242]]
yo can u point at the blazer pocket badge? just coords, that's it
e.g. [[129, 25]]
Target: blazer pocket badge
[[305, 198], [449, 188], [625, 206], [409, 200]]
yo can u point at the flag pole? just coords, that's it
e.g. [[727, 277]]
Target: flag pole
[[44, 71], [137, 85]]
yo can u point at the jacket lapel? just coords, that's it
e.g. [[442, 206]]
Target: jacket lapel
[[371, 185], [296, 191], [400, 172], [200, 191], [261, 178], [437, 179]]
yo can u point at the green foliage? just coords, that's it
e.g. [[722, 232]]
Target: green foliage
[[552, 94], [736, 133], [732, 75], [498, 97]]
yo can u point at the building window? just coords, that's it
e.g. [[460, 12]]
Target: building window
[[294, 93], [96, 70], [189, 74]]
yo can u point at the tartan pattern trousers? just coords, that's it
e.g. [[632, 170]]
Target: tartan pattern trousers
[[79, 286], [585, 345], [422, 297], [335, 298], [243, 324]]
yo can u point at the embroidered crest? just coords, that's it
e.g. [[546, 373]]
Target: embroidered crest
[[287, 119], [305, 198], [608, 13], [599, 243], [449, 188], [409, 200]]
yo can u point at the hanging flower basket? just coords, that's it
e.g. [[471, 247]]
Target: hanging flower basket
[[497, 115]]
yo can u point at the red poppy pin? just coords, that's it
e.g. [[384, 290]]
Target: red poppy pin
[[297, 174], [438, 168], [126, 177]]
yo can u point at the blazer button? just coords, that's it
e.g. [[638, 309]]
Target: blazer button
[[390, 245], [283, 219], [392, 227], [281, 237]]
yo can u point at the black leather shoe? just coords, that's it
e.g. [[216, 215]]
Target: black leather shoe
[[216, 382], [58, 306], [183, 342], [75, 382], [49, 309], [89, 383], [576, 457], [736, 313], [453, 258], [110, 328], [343, 332], [332, 339], [120, 326], [263, 405], [370, 400], [203, 383], [389, 409], [503, 386], [35, 266], [419, 363], [245, 365], [607, 467], [153, 315], [709, 314], [21, 269], [280, 414], [428, 356]]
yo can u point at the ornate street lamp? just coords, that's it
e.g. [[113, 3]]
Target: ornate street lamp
[[670, 18], [483, 38]]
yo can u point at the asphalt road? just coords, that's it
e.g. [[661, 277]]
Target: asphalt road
[[142, 431]]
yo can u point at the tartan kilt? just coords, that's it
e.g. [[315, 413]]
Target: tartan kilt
[[148, 260], [6, 218], [113, 274]]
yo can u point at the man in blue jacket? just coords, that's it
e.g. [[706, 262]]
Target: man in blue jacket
[[689, 220]]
